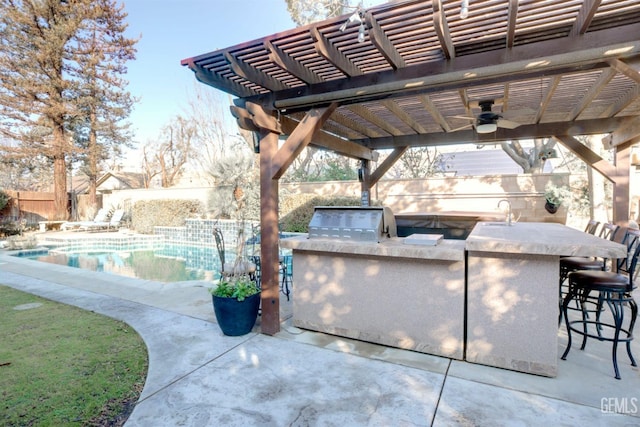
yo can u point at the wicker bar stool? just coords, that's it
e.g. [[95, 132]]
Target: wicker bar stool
[[574, 263], [606, 289]]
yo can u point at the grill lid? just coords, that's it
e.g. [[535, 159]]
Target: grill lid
[[352, 223]]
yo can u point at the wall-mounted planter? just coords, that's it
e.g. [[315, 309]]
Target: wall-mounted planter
[[551, 208]]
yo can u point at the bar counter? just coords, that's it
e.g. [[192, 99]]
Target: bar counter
[[512, 291]]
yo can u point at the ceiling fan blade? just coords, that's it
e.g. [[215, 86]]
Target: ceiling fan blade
[[507, 124], [462, 117]]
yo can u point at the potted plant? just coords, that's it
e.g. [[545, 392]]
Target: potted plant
[[554, 196], [236, 301]]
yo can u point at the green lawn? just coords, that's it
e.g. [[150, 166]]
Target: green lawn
[[60, 365]]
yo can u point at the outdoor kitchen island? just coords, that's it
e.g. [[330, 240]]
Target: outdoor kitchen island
[[390, 293], [418, 298]]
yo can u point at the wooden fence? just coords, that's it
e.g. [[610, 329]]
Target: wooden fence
[[35, 206], [31, 206]]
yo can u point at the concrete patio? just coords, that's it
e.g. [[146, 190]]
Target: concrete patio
[[198, 377]]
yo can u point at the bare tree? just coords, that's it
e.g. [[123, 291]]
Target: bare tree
[[169, 157], [533, 160], [421, 162], [304, 12]]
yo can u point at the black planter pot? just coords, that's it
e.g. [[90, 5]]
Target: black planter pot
[[236, 317], [551, 208]]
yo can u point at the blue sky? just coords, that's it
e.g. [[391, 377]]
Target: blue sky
[[172, 30]]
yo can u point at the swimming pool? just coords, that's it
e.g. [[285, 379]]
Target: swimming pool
[[170, 263]]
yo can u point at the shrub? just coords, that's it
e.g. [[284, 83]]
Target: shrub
[[22, 242], [4, 199], [10, 228], [223, 205], [147, 214], [296, 210]]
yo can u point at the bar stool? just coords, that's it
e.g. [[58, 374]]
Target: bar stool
[[573, 263], [606, 289]]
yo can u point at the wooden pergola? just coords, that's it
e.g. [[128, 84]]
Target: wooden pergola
[[559, 69]]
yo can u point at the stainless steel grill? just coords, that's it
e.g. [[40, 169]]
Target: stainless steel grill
[[352, 223]]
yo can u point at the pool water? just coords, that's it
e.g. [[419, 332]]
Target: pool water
[[169, 264]]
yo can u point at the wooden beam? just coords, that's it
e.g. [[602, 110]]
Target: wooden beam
[[210, 79], [299, 139], [585, 16], [355, 126], [623, 68], [380, 40], [243, 118], [441, 28], [262, 119], [546, 99], [290, 65], [505, 97], [393, 107], [623, 102], [464, 97], [628, 130], [375, 119], [435, 113], [391, 159], [253, 74], [511, 23], [543, 130], [327, 141], [593, 91], [631, 96], [592, 159], [333, 55]]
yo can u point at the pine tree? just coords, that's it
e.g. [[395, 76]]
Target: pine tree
[[60, 62], [102, 53]]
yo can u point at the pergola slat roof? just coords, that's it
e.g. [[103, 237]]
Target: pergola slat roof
[[421, 64], [558, 68]]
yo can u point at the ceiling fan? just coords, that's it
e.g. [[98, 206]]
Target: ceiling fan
[[487, 121]]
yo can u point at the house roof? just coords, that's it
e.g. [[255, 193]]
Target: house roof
[[566, 67], [131, 180]]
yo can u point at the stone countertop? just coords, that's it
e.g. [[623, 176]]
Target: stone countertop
[[446, 250], [540, 239]]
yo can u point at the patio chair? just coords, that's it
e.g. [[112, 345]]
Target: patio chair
[[111, 225], [101, 216], [287, 275], [606, 289], [231, 269]]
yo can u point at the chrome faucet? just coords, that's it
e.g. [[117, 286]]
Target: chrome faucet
[[509, 213]]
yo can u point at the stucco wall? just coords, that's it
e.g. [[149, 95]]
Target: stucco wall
[[455, 194], [447, 194]]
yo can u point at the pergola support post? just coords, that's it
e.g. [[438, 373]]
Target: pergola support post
[[617, 173], [269, 235], [364, 175], [621, 199]]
